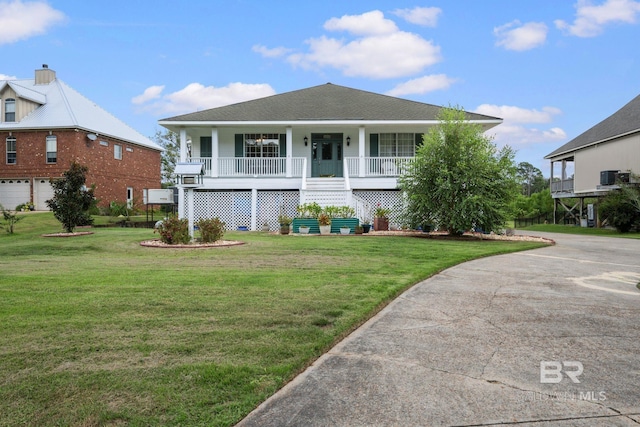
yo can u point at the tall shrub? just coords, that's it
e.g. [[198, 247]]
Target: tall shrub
[[71, 198]]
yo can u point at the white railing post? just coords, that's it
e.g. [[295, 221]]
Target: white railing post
[[214, 152], [289, 152], [361, 150]]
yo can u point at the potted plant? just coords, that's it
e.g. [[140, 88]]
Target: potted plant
[[285, 224], [303, 229], [359, 229], [381, 218], [324, 221], [366, 226], [345, 230]]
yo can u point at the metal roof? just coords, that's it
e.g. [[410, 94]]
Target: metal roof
[[63, 107], [623, 122], [327, 102]]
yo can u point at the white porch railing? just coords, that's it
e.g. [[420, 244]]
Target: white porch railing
[[564, 186], [378, 166], [276, 166], [252, 166]]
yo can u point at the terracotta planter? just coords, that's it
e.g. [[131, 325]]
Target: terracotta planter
[[381, 224], [284, 229]]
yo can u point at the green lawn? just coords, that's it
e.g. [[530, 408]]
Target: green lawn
[[97, 330], [572, 229]]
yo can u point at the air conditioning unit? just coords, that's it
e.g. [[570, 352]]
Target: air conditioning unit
[[608, 177], [623, 177]]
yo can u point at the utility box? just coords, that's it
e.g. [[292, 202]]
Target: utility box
[[160, 197]]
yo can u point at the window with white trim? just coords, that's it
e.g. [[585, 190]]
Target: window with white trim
[[397, 145], [10, 110], [117, 151], [52, 148], [11, 150], [262, 145]]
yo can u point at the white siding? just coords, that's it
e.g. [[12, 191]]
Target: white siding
[[622, 154]]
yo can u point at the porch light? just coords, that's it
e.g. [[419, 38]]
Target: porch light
[[348, 140], [306, 141]]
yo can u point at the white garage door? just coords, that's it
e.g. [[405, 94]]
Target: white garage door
[[14, 192], [42, 191]]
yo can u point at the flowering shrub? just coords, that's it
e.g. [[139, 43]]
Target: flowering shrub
[[381, 212], [174, 231], [211, 230]]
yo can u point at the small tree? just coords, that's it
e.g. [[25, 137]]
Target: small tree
[[169, 141], [71, 198], [10, 218], [459, 179]]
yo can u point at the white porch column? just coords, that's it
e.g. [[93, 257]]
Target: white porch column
[[190, 204], [182, 211], [214, 152], [551, 179], [254, 209], [288, 165], [183, 145], [361, 151]]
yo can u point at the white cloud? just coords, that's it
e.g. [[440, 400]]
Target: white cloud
[[513, 131], [423, 85], [374, 48], [425, 16], [21, 20], [591, 19], [519, 37], [368, 23], [195, 97], [270, 53], [152, 92], [6, 77], [519, 115]]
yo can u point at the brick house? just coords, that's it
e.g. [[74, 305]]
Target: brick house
[[45, 125]]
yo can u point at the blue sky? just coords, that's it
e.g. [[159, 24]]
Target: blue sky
[[550, 68]]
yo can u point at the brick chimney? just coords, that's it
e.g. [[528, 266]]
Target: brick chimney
[[45, 76]]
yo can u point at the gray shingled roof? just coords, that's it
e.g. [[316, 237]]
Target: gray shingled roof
[[323, 102], [624, 121]]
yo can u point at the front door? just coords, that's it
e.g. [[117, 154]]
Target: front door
[[326, 155]]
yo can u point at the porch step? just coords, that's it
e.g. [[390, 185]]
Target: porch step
[[325, 197], [325, 184]]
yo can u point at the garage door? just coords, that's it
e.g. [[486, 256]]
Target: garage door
[[42, 191], [14, 192]]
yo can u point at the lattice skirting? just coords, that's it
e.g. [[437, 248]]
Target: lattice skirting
[[234, 208]]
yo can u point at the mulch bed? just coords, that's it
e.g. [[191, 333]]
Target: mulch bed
[[157, 243]]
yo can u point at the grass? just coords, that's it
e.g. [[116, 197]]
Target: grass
[[97, 330], [573, 229]]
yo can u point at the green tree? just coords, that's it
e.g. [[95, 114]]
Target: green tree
[[530, 178], [71, 198], [170, 142], [459, 179], [11, 218]]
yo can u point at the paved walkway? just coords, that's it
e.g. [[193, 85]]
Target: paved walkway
[[464, 348]]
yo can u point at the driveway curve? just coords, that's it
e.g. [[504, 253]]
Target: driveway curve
[[544, 337]]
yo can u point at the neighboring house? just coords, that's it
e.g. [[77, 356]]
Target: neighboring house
[[45, 125], [600, 158], [328, 144]]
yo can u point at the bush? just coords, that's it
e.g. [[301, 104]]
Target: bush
[[618, 208], [174, 231], [211, 230]]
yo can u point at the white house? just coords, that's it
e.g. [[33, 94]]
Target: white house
[[600, 157], [328, 144]]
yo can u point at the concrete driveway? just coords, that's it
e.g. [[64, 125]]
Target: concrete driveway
[[466, 347]]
